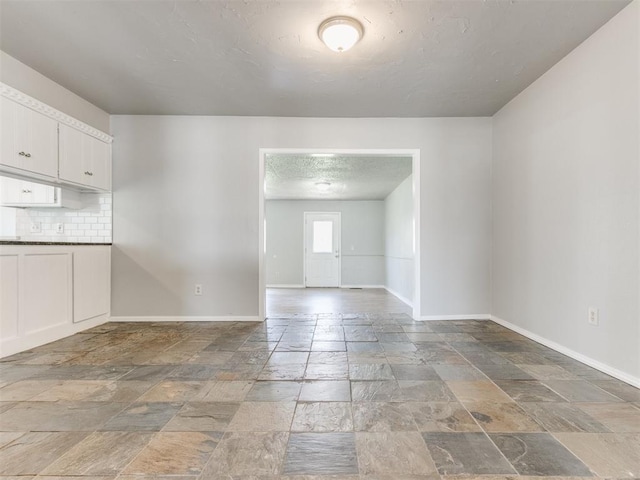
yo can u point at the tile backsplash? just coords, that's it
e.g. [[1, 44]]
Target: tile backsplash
[[91, 224]]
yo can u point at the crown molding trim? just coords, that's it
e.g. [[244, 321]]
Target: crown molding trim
[[40, 107]]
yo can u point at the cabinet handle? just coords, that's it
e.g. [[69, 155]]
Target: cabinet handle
[[26, 191], [89, 173], [22, 154], [28, 155]]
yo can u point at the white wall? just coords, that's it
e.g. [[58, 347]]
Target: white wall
[[566, 200], [21, 77], [186, 207], [398, 234], [362, 238]]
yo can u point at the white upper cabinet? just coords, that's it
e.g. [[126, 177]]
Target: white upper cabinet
[[38, 142], [23, 194], [28, 139], [20, 193], [84, 159]]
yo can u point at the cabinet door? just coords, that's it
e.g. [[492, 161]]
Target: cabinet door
[[100, 164], [29, 139], [45, 300], [38, 194], [74, 156], [91, 283], [10, 191], [22, 193], [42, 144], [13, 133], [84, 159], [8, 296], [28, 193]]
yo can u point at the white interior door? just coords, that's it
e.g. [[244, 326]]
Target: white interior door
[[322, 249]]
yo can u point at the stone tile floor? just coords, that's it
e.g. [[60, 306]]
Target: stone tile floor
[[334, 396]]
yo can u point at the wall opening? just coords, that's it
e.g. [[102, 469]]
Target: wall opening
[[411, 186]]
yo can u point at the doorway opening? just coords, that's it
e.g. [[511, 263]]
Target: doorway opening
[[338, 199], [322, 249]]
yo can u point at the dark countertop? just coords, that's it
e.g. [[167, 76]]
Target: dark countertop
[[19, 242]]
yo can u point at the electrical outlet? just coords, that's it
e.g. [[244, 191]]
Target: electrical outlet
[[198, 289], [59, 227], [36, 227], [593, 316]]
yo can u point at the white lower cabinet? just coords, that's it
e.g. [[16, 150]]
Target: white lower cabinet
[[46, 293], [50, 292], [8, 297], [91, 282]]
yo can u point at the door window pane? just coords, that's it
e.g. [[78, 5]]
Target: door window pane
[[322, 236]]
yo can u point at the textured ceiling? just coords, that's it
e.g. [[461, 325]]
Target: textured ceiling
[[351, 177], [417, 58]]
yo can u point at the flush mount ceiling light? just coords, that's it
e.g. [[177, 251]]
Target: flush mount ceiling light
[[323, 185], [340, 33]]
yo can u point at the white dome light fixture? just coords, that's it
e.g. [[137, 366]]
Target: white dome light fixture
[[340, 33], [323, 185]]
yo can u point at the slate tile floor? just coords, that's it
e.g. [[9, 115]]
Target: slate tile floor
[[335, 396]]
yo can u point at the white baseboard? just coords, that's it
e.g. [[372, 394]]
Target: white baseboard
[[10, 346], [475, 316], [284, 285], [361, 286], [614, 372], [404, 300], [227, 318]]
